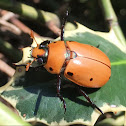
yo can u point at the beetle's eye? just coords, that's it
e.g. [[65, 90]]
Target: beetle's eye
[[40, 46], [44, 44], [40, 60]]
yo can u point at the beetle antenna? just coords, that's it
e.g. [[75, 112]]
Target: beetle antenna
[[28, 64], [63, 25], [32, 36]]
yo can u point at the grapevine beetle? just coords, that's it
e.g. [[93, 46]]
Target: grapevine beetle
[[83, 64]]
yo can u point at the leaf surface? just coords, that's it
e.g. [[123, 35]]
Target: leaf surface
[[34, 92]]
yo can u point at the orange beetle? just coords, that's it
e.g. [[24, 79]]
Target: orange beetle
[[83, 64]]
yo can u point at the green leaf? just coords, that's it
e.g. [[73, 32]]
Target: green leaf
[[34, 92], [7, 117]]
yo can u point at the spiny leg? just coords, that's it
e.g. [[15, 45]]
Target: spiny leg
[[89, 100], [58, 91], [63, 25]]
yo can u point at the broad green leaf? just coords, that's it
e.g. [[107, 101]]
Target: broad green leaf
[[7, 117], [34, 92]]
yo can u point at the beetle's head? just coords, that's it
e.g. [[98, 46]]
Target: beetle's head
[[39, 53]]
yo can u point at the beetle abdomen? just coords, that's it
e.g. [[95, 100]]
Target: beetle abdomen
[[91, 67]]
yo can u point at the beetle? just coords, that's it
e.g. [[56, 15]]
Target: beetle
[[83, 64]]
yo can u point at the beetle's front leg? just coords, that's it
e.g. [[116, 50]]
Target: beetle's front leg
[[58, 91]]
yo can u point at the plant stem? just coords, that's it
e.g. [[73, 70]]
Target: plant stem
[[7, 49], [110, 16], [29, 12], [4, 67]]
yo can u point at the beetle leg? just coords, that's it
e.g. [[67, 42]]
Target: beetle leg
[[89, 100], [58, 91]]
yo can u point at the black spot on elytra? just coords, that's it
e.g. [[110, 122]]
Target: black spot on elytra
[[54, 42], [109, 77], [50, 68], [91, 79], [70, 73], [70, 41]]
